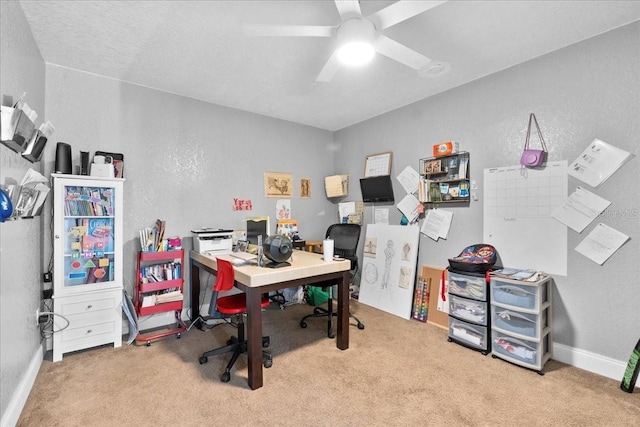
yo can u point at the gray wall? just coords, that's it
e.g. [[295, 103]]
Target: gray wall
[[585, 91], [21, 257], [186, 160]]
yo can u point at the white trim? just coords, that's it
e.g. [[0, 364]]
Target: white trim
[[591, 362], [19, 397]]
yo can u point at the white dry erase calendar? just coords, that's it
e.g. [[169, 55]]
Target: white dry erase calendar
[[377, 164]]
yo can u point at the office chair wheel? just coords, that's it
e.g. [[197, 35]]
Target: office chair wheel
[[268, 363], [303, 324], [203, 360], [360, 326], [225, 377], [331, 335], [266, 341]]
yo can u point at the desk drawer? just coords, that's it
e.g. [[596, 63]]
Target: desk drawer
[[468, 309], [468, 286]]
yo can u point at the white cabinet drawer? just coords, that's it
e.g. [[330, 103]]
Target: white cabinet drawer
[[468, 286], [88, 304], [468, 309], [81, 330]]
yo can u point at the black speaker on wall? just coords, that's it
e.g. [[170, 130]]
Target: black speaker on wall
[[63, 158]]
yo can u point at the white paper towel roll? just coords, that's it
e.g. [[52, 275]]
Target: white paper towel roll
[[327, 249]]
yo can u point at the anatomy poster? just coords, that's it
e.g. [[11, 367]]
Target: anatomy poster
[[389, 268]]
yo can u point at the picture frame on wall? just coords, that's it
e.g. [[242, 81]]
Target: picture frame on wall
[[278, 184], [305, 188]]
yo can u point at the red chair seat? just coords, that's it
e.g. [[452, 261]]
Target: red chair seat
[[237, 303]]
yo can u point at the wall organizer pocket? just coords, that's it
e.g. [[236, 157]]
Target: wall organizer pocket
[[16, 128]]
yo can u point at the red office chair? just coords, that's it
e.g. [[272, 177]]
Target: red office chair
[[232, 305]]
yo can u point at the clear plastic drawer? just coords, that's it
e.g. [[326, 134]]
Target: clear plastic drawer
[[473, 335], [518, 323], [468, 286], [518, 294], [469, 310], [523, 352]]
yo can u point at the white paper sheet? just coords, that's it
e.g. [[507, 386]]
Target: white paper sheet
[[409, 179], [436, 224], [409, 207], [597, 163], [580, 209], [381, 216], [601, 243]]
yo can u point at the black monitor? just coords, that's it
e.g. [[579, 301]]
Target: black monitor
[[377, 189], [257, 227]]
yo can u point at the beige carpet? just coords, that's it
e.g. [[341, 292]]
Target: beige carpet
[[396, 372]]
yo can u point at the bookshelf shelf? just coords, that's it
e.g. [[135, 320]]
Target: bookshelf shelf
[[444, 179], [159, 289]]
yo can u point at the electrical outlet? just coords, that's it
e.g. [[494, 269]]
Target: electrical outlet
[[37, 316]]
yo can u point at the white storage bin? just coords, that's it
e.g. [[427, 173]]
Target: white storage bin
[[470, 310], [472, 335], [524, 352], [468, 286], [517, 294], [511, 321]]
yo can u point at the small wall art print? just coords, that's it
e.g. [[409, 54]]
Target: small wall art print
[[278, 184]]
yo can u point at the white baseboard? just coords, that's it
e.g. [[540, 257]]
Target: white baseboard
[[20, 395], [591, 362]]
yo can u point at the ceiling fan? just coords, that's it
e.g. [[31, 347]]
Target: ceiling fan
[[359, 37]]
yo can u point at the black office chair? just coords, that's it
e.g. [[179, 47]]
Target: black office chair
[[345, 243], [232, 305]]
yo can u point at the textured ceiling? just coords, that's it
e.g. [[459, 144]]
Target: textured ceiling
[[198, 49]]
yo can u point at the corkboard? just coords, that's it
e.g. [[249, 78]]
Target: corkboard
[[435, 317]]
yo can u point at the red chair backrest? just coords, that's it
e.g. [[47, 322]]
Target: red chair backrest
[[225, 276]]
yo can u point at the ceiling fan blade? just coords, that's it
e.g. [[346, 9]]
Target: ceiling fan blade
[[288, 30], [348, 9], [399, 52], [330, 68], [400, 11]]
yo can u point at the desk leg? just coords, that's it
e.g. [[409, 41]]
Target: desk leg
[[254, 337], [195, 294], [342, 339]]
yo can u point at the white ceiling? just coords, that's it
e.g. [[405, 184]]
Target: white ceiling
[[198, 49]]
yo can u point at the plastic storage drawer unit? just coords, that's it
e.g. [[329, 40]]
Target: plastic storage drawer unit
[[516, 294], [472, 335], [468, 285], [466, 309], [515, 322]]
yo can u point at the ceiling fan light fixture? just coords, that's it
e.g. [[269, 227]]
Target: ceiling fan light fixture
[[355, 41], [355, 53]]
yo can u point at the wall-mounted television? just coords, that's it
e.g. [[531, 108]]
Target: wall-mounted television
[[377, 189]]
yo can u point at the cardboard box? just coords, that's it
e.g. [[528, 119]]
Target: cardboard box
[[445, 148]]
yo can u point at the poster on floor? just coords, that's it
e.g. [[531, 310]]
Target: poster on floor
[[389, 268]]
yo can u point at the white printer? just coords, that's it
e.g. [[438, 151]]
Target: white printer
[[212, 240]]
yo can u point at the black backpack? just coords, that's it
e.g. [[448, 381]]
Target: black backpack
[[477, 258]]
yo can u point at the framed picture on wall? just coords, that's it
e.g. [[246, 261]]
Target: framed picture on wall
[[278, 184], [305, 188]]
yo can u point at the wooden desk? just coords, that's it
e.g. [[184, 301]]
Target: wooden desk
[[306, 267]]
